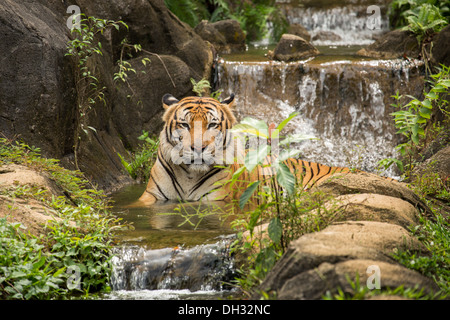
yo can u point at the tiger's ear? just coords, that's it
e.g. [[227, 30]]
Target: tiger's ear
[[169, 100], [229, 101]]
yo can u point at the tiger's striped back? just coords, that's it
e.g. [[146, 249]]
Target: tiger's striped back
[[312, 173]]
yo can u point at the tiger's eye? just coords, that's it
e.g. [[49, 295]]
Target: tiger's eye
[[183, 125], [213, 125]]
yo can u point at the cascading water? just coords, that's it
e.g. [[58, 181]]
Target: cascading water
[[165, 257], [202, 271], [348, 22], [343, 103], [343, 100]]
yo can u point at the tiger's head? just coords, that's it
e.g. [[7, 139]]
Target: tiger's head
[[196, 131]]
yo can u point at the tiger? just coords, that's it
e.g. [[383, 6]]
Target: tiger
[[190, 159]]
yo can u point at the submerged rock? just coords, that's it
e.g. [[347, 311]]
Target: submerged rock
[[292, 47]]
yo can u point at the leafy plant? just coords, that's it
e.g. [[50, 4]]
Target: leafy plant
[[81, 236], [256, 17], [414, 118], [84, 46], [274, 199], [256, 156], [424, 18], [399, 10], [200, 87], [435, 235], [143, 159]]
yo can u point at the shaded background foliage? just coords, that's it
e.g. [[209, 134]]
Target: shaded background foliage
[[255, 17]]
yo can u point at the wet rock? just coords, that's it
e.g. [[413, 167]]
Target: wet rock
[[441, 50], [321, 261], [299, 30], [292, 47], [394, 44], [226, 35]]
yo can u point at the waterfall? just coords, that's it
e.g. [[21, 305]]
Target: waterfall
[[350, 23], [173, 273], [345, 103]]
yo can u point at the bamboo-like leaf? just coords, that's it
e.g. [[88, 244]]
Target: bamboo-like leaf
[[283, 124], [248, 193]]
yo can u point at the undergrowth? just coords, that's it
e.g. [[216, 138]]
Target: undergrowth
[[72, 256]]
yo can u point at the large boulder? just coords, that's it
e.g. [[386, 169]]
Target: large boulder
[[372, 216], [226, 36], [323, 261], [38, 99], [368, 183], [438, 164], [440, 51], [394, 44], [376, 207], [292, 47]]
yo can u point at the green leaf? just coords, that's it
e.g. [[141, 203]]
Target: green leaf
[[253, 220], [57, 273], [237, 173], [415, 138], [432, 95], [285, 178], [286, 154], [275, 230], [246, 128], [427, 104], [425, 113], [248, 193], [283, 124], [39, 263], [298, 137], [257, 124], [255, 157]]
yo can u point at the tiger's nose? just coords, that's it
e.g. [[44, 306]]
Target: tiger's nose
[[198, 149]]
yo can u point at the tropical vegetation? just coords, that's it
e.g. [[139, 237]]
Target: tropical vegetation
[[258, 18]]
